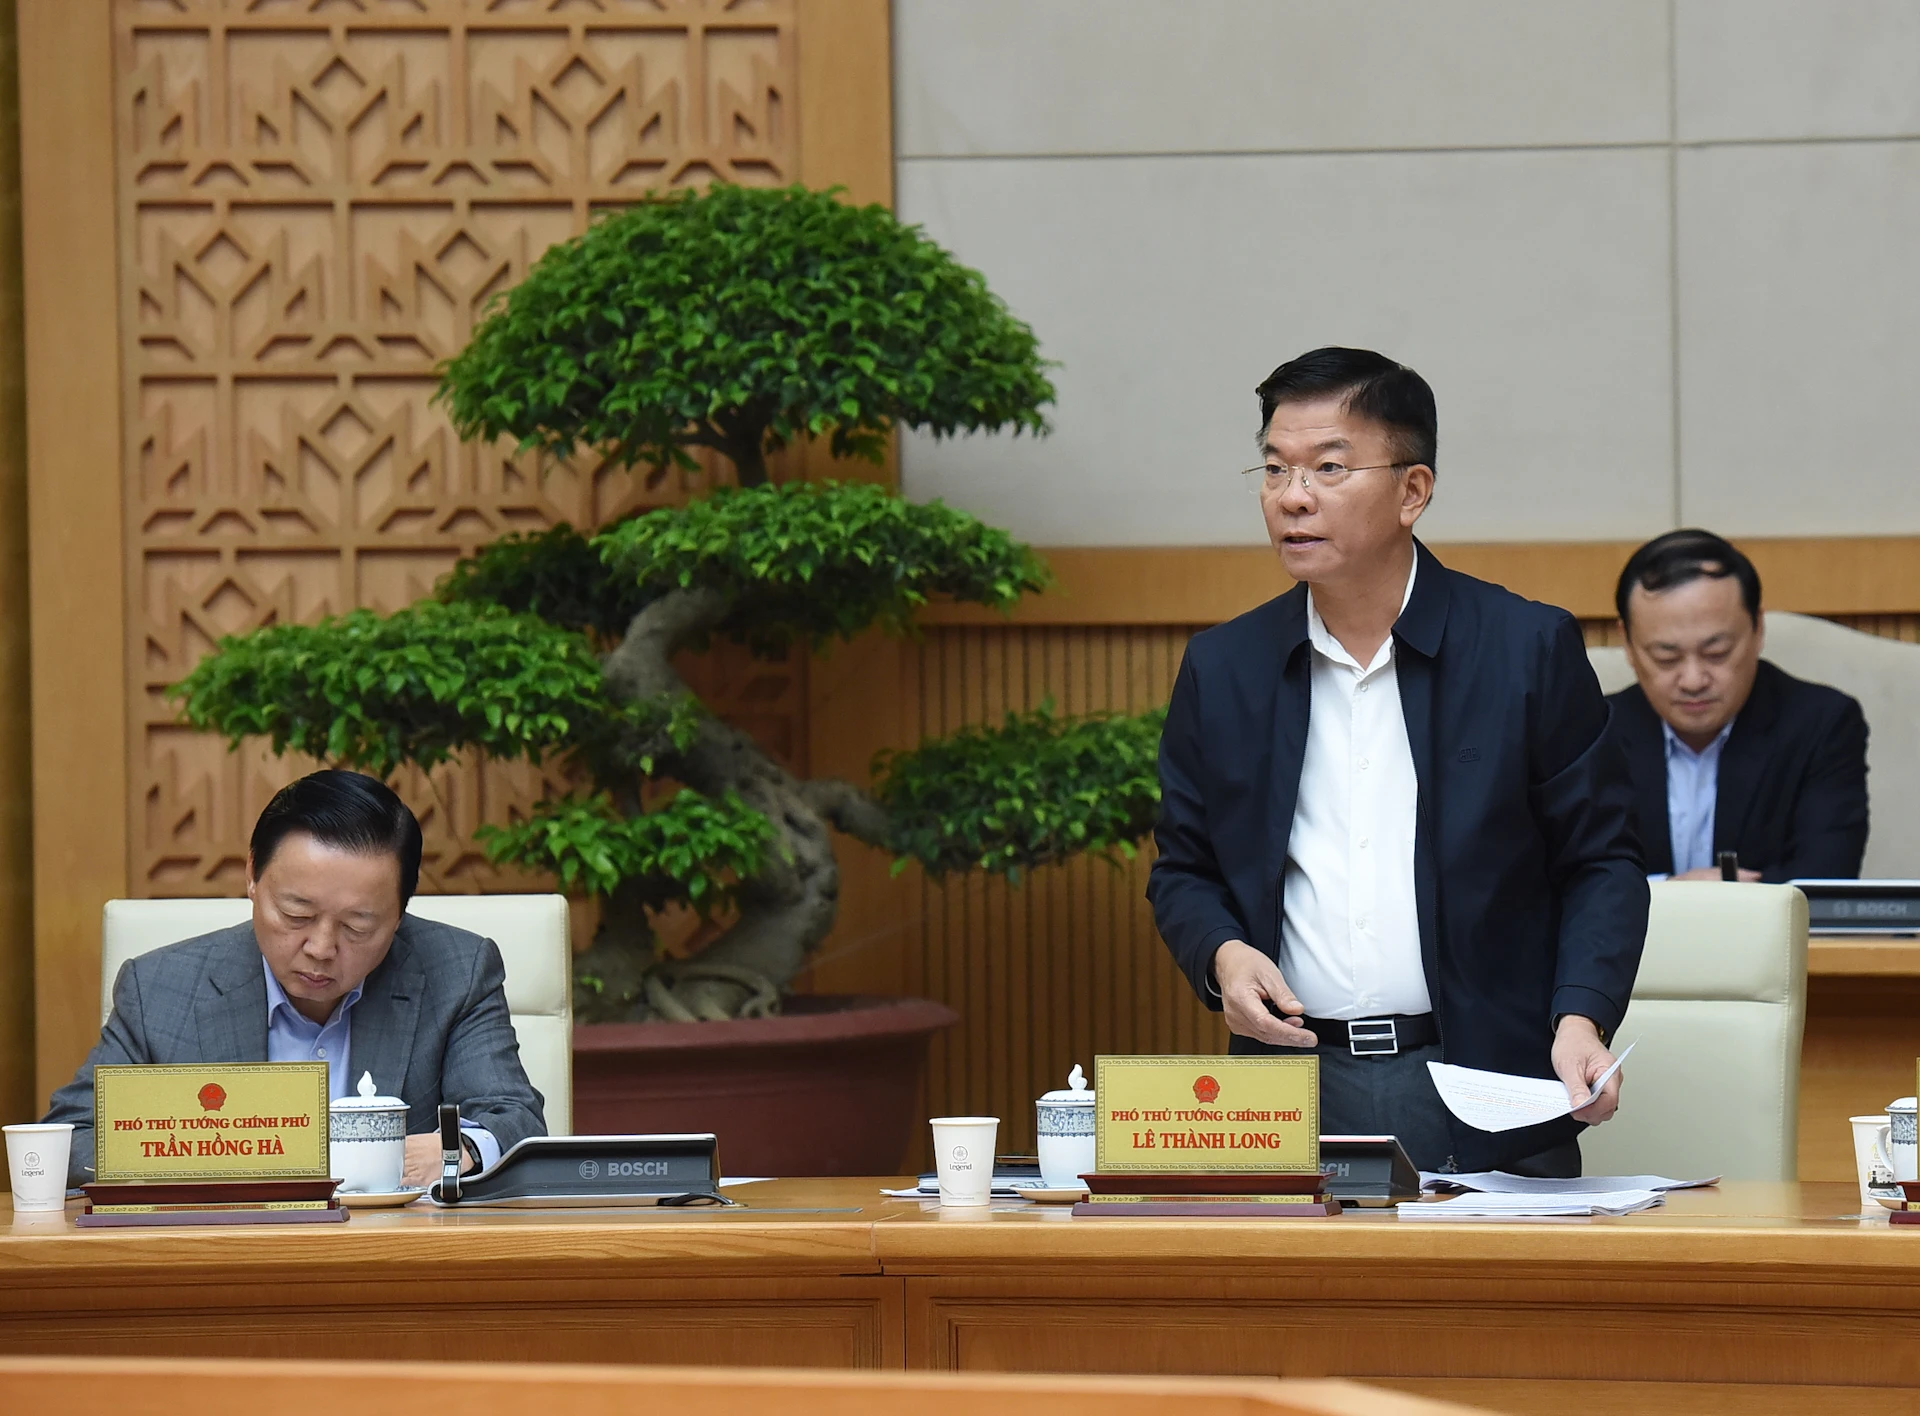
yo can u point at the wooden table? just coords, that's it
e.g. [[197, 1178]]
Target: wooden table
[[793, 1282], [1863, 1034], [1753, 1298], [1863, 956], [123, 1386]]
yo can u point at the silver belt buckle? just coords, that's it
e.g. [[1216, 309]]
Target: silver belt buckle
[[1373, 1037]]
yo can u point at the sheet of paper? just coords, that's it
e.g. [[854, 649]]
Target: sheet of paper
[[1497, 1101], [1518, 1206], [1498, 1182], [1003, 1188]]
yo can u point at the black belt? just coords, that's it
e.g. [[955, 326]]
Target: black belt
[[1375, 1037]]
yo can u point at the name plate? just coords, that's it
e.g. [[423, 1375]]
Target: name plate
[[220, 1121], [1195, 1115]]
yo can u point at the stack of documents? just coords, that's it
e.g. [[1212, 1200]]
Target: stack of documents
[[1533, 1206], [1499, 1182]]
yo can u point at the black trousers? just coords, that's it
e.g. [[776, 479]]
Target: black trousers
[[1395, 1096]]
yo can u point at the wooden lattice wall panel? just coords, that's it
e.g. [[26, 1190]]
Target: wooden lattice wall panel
[[317, 200]]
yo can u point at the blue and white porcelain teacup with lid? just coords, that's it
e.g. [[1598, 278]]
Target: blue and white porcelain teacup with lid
[[1065, 1126], [367, 1140]]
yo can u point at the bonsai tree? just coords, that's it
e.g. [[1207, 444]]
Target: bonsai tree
[[736, 320]]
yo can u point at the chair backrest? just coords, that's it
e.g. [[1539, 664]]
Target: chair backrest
[[1713, 1088], [531, 930], [1884, 674]]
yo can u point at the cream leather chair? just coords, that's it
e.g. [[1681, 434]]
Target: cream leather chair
[[1884, 674], [1713, 1088], [531, 931]]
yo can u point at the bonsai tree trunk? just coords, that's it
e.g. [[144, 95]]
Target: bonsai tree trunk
[[749, 462], [742, 442], [788, 908]]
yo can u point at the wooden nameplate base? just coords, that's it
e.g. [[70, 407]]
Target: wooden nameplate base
[[145, 1204], [1161, 1182], [1208, 1207], [1238, 1195]]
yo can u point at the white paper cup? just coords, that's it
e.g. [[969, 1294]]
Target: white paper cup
[[37, 1164], [963, 1155]]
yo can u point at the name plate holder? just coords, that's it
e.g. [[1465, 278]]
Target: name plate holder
[[213, 1143], [214, 1122], [1204, 1115], [569, 1172]]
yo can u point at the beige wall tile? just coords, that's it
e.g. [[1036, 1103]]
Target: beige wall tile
[[1797, 68], [1153, 76], [1530, 288], [1800, 338]]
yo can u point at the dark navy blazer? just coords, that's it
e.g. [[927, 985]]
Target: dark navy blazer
[[1528, 881], [1792, 794]]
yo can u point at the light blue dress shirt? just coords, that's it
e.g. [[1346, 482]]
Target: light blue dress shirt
[[1693, 789], [294, 1037]]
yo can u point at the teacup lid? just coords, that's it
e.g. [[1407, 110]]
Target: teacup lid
[[367, 1100], [1077, 1080], [1905, 1103]]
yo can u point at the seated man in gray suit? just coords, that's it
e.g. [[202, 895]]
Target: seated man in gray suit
[[332, 970]]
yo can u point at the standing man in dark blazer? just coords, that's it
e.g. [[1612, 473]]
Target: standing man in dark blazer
[[1393, 827], [1727, 752]]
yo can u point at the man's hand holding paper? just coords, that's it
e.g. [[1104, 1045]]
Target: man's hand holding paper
[[1580, 1059], [1495, 1101]]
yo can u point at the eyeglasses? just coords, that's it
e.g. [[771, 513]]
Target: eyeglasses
[[1276, 477]]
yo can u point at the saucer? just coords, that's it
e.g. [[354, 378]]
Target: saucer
[[1039, 1190], [385, 1199]]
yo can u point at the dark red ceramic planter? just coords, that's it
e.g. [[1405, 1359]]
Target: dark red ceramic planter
[[830, 1087]]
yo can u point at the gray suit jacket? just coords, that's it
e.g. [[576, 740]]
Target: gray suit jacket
[[432, 1018]]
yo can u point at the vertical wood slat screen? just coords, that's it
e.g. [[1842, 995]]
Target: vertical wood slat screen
[[1067, 964], [1905, 628]]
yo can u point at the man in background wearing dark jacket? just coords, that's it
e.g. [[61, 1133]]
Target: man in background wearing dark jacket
[[1727, 752]]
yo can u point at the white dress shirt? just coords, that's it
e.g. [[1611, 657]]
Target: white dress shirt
[[1349, 929]]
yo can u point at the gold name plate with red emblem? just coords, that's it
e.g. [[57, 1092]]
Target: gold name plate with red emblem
[[221, 1121], [1198, 1115]]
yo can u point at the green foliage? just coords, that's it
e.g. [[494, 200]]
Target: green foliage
[[557, 575], [735, 319], [690, 848], [1035, 790], [741, 316], [812, 560], [372, 691]]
